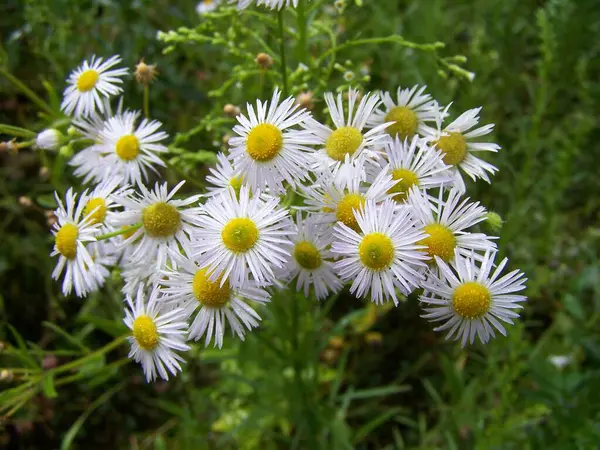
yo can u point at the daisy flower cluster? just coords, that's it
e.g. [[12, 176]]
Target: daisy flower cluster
[[370, 197]]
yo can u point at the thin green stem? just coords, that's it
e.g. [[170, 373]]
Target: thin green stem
[[282, 54], [16, 131], [146, 101], [119, 232], [28, 92], [302, 25]]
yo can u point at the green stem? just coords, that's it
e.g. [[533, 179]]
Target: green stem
[[146, 101], [16, 131], [282, 53], [302, 25], [118, 232], [28, 92]]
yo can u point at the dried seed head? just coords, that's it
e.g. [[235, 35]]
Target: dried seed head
[[145, 73]]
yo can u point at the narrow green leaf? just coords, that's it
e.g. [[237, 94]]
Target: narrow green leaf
[[48, 386]]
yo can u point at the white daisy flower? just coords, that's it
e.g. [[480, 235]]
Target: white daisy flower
[[217, 302], [471, 300], [408, 114], [166, 224], [223, 176], [384, 256], [72, 231], [101, 203], [445, 221], [455, 142], [349, 140], [268, 150], [49, 139], [155, 336], [206, 6], [272, 4], [332, 201], [312, 259], [241, 236], [104, 254], [90, 83], [415, 164]]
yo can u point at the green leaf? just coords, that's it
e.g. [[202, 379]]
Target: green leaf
[[376, 392], [110, 327], [48, 386], [46, 201], [23, 351], [72, 339]]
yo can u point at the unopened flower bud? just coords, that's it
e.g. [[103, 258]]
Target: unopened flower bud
[[264, 60], [25, 201], [494, 221], [65, 151], [231, 110], [44, 173], [145, 73], [49, 139], [225, 139], [305, 100], [49, 362]]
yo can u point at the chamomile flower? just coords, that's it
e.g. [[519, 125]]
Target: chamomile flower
[[206, 6], [166, 224], [383, 256], [312, 262], [156, 335], [349, 139], [216, 303], [101, 203], [90, 83], [445, 221], [415, 164], [457, 146], [472, 300], [268, 149], [408, 113], [243, 234], [334, 201], [72, 231], [128, 150], [223, 176]]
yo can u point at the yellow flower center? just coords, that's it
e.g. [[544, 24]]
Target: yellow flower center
[[161, 220], [236, 184], [307, 255], [376, 251], [471, 300], [87, 80], [343, 141], [407, 179], [210, 293], [264, 143], [405, 121], [454, 148], [99, 205], [145, 332], [66, 240], [128, 147], [239, 235], [128, 234], [345, 210], [440, 242]]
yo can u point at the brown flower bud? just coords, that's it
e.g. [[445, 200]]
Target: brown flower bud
[[25, 201], [145, 73], [264, 60], [231, 110], [305, 100]]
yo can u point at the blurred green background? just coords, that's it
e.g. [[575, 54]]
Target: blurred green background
[[370, 378]]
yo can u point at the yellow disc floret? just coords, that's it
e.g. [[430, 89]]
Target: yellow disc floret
[[376, 251], [98, 206], [239, 235], [128, 147], [161, 220], [405, 121], [145, 332], [264, 143], [345, 210], [407, 179], [454, 148], [210, 293], [307, 255], [66, 240], [87, 80], [236, 183], [343, 141], [440, 242], [471, 300]]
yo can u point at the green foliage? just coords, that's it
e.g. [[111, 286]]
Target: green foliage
[[338, 374]]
